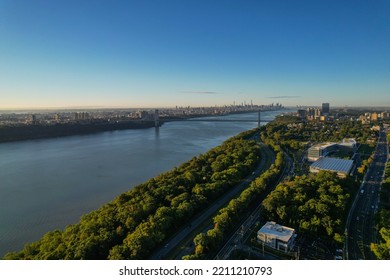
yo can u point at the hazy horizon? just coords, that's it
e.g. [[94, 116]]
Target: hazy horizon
[[148, 54], [97, 108]]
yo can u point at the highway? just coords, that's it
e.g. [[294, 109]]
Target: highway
[[243, 231], [361, 229], [207, 213]]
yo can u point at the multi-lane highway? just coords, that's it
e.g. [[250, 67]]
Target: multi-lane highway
[[267, 158], [242, 232], [360, 228]]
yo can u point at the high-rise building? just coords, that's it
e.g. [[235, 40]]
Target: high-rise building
[[317, 113], [78, 116], [310, 113], [301, 113], [32, 119], [325, 108]]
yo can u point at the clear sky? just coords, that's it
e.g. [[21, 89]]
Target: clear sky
[[193, 53]]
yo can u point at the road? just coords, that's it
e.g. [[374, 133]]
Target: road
[[209, 212], [360, 227], [243, 231]]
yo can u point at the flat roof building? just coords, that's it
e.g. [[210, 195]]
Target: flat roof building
[[342, 166], [349, 143], [276, 236], [325, 108], [320, 150]]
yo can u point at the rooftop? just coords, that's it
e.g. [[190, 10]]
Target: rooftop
[[349, 140], [333, 164], [322, 145], [280, 232]]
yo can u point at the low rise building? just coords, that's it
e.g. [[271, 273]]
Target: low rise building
[[276, 236], [375, 128], [342, 167], [320, 150], [349, 143], [385, 115]]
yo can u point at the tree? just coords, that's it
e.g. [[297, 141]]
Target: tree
[[382, 250], [312, 203]]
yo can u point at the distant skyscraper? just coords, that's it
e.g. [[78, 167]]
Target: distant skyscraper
[[79, 116], [317, 113], [310, 113], [301, 113], [325, 108]]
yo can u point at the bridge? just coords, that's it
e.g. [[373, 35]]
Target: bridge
[[214, 120]]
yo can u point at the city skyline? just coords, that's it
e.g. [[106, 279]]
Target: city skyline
[[144, 54]]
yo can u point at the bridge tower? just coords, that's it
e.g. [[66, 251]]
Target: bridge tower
[[156, 118], [258, 121]]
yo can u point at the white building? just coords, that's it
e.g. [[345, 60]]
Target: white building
[[324, 149], [320, 150], [276, 236], [349, 143]]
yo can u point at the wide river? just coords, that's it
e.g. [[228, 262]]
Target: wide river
[[48, 184]]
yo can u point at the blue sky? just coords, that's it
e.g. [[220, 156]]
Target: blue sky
[[193, 53]]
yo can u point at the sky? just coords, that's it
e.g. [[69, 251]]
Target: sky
[[167, 53]]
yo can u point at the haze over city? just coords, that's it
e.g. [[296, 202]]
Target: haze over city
[[193, 53]]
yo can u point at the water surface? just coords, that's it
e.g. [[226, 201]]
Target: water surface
[[48, 184]]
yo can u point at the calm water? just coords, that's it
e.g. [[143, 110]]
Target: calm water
[[48, 184]]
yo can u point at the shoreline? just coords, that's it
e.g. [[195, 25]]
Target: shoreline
[[129, 197], [40, 131]]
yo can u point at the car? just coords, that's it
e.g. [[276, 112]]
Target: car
[[338, 258]]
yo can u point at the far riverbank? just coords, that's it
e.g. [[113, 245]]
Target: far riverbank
[[47, 184], [21, 132]]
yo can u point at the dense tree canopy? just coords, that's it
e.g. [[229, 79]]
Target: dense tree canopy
[[291, 132], [314, 204], [136, 222], [382, 249], [229, 216]]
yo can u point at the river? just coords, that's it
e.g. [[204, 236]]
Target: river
[[47, 184]]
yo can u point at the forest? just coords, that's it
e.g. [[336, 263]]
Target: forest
[[315, 204], [227, 219], [382, 248], [291, 133], [138, 221]]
